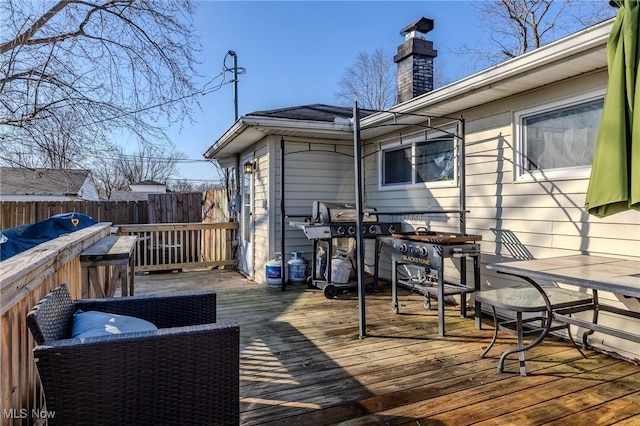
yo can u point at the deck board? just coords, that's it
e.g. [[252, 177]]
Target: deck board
[[303, 363]]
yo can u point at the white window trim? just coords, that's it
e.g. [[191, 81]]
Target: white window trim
[[412, 139], [567, 173]]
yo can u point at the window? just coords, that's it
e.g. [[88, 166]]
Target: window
[[560, 138], [434, 160], [419, 161], [397, 166]]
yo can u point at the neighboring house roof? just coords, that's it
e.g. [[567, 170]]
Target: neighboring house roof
[[148, 182], [569, 57], [23, 181]]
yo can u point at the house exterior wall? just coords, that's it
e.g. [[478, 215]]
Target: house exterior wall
[[151, 189], [314, 170], [88, 190], [540, 219], [262, 209]]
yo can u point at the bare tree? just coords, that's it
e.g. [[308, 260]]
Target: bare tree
[[370, 81], [518, 26], [151, 162], [119, 169], [182, 185], [107, 178], [84, 70]]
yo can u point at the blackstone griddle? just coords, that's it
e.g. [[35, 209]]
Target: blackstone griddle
[[427, 250]]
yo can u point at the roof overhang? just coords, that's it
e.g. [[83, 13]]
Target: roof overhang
[[578, 54], [248, 130]]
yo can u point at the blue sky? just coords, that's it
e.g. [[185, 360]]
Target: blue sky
[[295, 53]]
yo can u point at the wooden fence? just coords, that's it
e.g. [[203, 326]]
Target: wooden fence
[[16, 213], [27, 277], [186, 207]]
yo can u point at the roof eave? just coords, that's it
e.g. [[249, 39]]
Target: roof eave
[[248, 130], [494, 78]]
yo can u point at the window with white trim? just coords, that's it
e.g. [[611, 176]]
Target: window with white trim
[[422, 159], [558, 139]]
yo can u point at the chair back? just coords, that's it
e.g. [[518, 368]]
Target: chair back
[[52, 318]]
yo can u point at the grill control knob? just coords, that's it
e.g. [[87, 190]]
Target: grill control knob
[[351, 230], [373, 230], [392, 229], [340, 230], [403, 248], [423, 251]]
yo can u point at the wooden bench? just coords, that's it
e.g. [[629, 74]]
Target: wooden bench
[[115, 255]]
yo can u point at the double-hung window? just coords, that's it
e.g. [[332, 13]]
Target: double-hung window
[[558, 140], [418, 160]]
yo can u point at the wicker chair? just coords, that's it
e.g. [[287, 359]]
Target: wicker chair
[[185, 373]]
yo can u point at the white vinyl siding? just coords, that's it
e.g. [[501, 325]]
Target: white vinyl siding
[[314, 170], [419, 159], [538, 218]]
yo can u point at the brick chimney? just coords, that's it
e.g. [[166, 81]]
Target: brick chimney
[[415, 61]]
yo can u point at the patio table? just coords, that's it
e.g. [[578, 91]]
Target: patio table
[[595, 273]]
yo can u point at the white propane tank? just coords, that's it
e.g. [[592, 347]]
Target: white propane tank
[[297, 268], [340, 268], [273, 271]]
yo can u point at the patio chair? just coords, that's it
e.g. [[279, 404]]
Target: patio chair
[[186, 372]]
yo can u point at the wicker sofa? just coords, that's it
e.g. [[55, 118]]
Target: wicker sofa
[[184, 373]]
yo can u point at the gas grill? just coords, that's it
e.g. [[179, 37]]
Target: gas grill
[[333, 220], [428, 249], [338, 220]]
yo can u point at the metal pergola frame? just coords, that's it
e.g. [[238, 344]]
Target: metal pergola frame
[[357, 158]]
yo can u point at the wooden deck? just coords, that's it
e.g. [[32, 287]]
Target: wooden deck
[[303, 363]]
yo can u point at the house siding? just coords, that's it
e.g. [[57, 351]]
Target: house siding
[[88, 190], [261, 209], [520, 219], [314, 170]]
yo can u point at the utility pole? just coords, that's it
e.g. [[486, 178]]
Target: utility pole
[[235, 83]]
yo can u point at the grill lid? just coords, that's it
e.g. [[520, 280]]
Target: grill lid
[[340, 212]]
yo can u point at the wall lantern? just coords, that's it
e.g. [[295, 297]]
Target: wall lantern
[[249, 167]]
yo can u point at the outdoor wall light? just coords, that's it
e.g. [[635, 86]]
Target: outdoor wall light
[[249, 167]]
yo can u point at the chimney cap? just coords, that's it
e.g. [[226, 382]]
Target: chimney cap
[[422, 25]]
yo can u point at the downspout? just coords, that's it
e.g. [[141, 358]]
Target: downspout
[[282, 216]]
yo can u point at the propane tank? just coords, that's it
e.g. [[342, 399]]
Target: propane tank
[[297, 268], [273, 271], [321, 263], [340, 268]]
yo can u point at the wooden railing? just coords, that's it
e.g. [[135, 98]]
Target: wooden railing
[[25, 279], [171, 246], [29, 276]]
